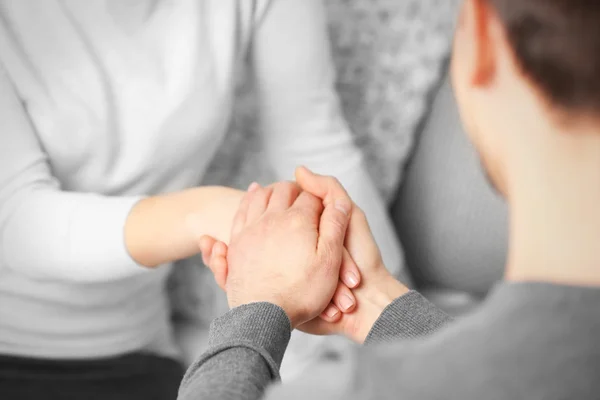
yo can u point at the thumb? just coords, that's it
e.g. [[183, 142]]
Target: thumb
[[335, 217], [332, 232], [327, 188]]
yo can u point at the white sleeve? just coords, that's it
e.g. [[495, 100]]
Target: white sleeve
[[47, 233], [300, 111]]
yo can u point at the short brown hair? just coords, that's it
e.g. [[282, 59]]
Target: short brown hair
[[557, 43]]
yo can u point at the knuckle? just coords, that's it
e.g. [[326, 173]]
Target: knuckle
[[284, 187], [254, 196], [291, 191], [296, 219], [332, 181], [315, 202], [264, 192], [289, 186]]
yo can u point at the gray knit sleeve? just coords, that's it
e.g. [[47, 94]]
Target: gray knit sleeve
[[409, 316], [246, 347]]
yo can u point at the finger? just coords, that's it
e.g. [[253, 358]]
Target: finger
[[336, 216], [284, 195], [206, 248], [326, 188], [349, 272], [239, 221], [332, 232], [253, 186], [258, 204], [218, 263], [320, 326], [331, 314], [309, 204], [344, 299], [359, 232]]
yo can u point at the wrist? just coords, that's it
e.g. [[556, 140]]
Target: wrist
[[373, 297], [294, 318], [387, 289], [167, 228], [155, 233]]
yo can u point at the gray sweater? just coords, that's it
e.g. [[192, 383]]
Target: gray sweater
[[528, 341]]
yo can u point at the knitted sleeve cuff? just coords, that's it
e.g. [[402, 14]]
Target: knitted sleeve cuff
[[409, 316]]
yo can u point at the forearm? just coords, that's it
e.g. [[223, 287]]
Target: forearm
[[84, 237], [54, 235], [247, 344], [246, 347], [167, 228], [396, 365]]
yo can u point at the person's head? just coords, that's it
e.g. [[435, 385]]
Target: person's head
[[524, 70]]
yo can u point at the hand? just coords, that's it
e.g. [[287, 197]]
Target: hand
[[214, 255], [286, 249], [378, 287]]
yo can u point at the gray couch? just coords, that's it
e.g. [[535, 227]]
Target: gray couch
[[452, 225]]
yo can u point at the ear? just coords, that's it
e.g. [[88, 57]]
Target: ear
[[476, 22]]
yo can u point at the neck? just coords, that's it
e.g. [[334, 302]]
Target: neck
[[554, 199]]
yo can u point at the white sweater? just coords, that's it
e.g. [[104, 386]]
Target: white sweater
[[105, 101]]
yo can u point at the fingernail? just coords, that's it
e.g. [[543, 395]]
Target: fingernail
[[352, 279], [346, 302], [331, 312], [343, 206], [253, 186]]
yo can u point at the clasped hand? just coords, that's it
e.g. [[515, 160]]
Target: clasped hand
[[303, 246]]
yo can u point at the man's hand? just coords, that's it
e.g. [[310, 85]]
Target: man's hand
[[286, 248]]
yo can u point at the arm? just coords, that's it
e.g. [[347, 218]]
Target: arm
[[246, 347], [247, 344], [398, 368], [301, 116], [279, 238], [53, 234]]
